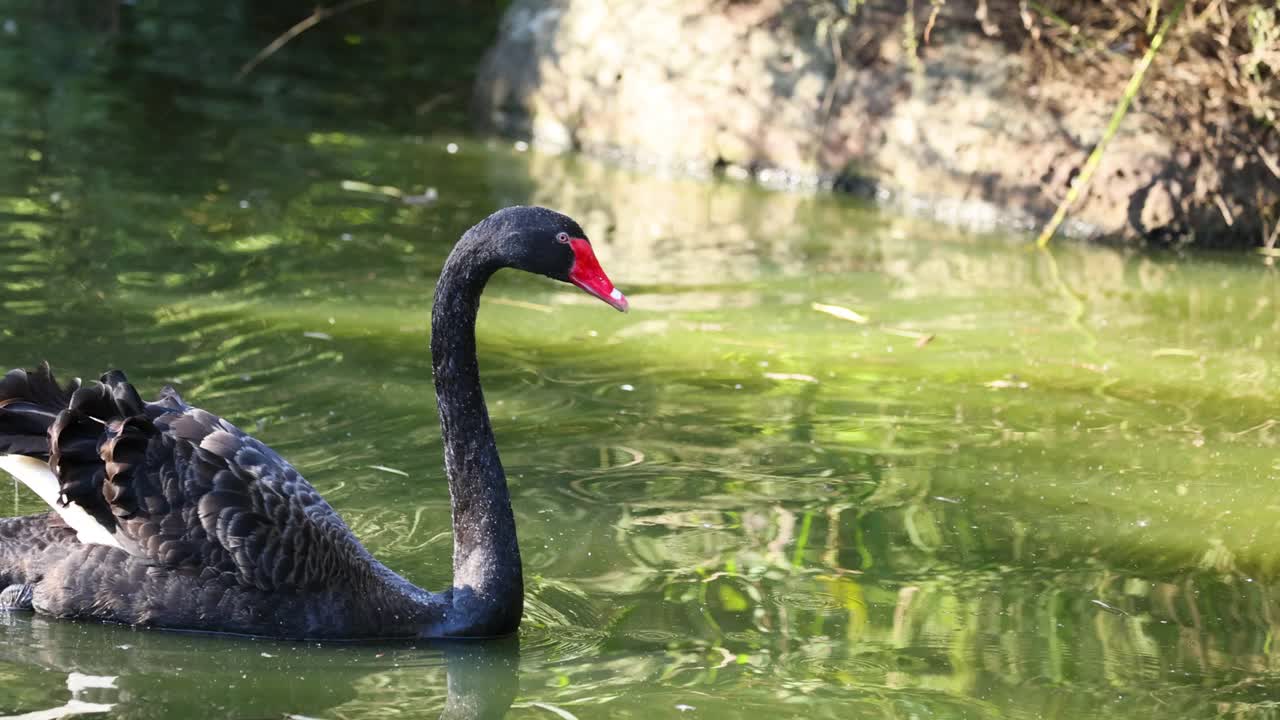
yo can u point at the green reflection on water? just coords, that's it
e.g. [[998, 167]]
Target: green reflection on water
[[1027, 486]]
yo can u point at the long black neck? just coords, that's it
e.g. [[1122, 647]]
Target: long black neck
[[488, 584]]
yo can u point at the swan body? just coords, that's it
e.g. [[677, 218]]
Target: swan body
[[165, 515]]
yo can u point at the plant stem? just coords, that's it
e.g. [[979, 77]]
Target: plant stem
[[318, 15], [1095, 157]]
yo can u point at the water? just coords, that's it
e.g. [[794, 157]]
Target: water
[[1028, 486]]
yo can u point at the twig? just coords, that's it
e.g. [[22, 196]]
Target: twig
[[933, 18], [1269, 160], [834, 31], [1269, 244], [1095, 157], [1222, 208], [1151, 16], [315, 18]]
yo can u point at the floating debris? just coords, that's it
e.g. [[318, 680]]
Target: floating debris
[[386, 469], [1109, 608], [1263, 426], [427, 197], [364, 187], [1007, 384], [1174, 352], [843, 313], [921, 338], [77, 682], [853, 316], [799, 377], [558, 712], [316, 335]]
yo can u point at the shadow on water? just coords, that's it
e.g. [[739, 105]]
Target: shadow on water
[[69, 669]]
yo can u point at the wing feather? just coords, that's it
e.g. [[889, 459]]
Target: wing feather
[[178, 486]]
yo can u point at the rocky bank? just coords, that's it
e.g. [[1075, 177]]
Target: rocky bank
[[801, 93]]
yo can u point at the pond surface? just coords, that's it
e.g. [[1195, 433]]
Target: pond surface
[[834, 463]]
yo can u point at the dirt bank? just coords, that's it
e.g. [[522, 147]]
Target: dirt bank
[[969, 126]]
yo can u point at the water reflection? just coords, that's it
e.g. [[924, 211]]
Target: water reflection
[[71, 668], [952, 644]]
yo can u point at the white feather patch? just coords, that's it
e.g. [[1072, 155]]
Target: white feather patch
[[36, 475]]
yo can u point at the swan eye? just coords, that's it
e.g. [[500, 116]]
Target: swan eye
[[562, 237]]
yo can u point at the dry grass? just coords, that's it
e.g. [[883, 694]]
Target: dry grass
[[1224, 54], [1217, 83], [1215, 86]]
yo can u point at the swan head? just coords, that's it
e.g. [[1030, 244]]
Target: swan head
[[545, 242]]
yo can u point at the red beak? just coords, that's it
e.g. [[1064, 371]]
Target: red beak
[[586, 274]]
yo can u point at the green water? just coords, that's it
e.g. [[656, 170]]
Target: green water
[[1028, 486]]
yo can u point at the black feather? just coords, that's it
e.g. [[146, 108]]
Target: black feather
[[168, 480]]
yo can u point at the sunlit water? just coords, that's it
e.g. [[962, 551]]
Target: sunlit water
[[1007, 484]]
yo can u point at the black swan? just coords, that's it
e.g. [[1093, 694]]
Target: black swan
[[165, 515]]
